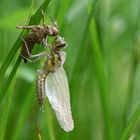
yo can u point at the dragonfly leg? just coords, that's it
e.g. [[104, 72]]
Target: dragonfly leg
[[26, 58], [30, 59], [25, 27], [35, 55], [25, 46]]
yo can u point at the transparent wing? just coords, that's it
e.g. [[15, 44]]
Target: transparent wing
[[57, 91]]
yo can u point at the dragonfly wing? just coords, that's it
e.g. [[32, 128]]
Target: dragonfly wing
[[57, 91]]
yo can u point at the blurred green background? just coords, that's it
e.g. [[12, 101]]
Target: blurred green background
[[102, 65]]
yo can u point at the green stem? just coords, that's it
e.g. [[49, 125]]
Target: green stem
[[135, 59], [25, 109], [101, 78], [130, 90], [5, 111], [35, 19], [131, 124], [76, 68], [10, 78]]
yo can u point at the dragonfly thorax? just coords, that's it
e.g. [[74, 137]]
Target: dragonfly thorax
[[52, 63]]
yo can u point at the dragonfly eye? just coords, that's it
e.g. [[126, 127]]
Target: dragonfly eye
[[54, 31], [60, 42]]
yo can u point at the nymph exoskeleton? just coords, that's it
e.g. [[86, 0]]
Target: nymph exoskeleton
[[38, 34], [52, 82]]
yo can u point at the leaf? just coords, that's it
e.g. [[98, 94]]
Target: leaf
[[134, 119], [35, 19], [101, 77]]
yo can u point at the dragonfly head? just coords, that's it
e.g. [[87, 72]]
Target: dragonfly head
[[51, 30], [59, 43]]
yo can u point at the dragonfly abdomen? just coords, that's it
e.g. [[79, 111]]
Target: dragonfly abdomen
[[41, 87]]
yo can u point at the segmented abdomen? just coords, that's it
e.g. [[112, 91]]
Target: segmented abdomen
[[41, 87]]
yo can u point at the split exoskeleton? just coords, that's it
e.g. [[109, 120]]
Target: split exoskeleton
[[52, 80], [37, 35]]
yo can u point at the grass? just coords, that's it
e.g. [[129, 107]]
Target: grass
[[101, 78], [102, 66]]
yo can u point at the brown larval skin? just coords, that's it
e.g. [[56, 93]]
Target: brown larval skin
[[36, 36]]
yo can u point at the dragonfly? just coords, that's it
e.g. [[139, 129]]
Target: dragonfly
[[52, 82], [38, 34]]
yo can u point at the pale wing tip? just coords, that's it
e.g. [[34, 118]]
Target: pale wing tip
[[69, 127]]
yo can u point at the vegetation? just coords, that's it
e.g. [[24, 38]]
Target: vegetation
[[102, 66]]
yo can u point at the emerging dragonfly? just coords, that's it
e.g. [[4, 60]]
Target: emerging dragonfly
[[52, 82], [37, 35]]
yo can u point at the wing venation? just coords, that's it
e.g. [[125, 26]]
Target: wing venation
[[57, 91]]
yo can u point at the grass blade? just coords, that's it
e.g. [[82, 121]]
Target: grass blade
[[10, 78], [49, 121], [5, 111], [35, 19], [131, 124], [64, 7], [23, 113], [76, 68], [101, 78]]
